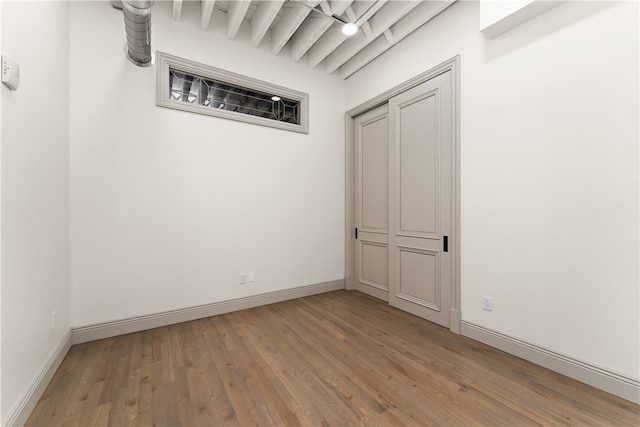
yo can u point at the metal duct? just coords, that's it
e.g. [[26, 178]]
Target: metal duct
[[137, 21]]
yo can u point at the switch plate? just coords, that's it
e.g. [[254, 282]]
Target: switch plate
[[243, 278], [10, 73], [487, 303], [252, 277]]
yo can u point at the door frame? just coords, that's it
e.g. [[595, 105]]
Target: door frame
[[452, 65]]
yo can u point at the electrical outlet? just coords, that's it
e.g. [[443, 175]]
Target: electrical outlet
[[53, 320], [243, 278], [487, 303], [252, 277]]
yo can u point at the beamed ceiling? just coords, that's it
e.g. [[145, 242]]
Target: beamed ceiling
[[311, 29]]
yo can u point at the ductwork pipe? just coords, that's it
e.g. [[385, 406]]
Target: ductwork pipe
[[137, 21]]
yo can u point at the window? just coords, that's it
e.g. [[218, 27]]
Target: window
[[198, 88]]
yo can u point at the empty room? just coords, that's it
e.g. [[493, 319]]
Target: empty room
[[319, 212]]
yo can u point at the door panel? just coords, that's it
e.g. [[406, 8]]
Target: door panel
[[418, 273], [372, 202], [374, 265], [418, 167], [374, 177], [420, 159]]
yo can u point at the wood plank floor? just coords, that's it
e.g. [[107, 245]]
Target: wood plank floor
[[336, 359]]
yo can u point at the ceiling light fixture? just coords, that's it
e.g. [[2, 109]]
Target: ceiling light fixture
[[349, 29], [275, 98]]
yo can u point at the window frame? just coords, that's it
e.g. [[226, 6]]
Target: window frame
[[166, 61]]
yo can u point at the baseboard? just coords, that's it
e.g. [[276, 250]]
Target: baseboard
[[611, 382], [20, 412], [454, 321], [140, 323]]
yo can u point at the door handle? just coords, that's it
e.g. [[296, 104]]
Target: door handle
[[445, 245]]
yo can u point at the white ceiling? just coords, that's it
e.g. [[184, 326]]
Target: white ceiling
[[315, 34]]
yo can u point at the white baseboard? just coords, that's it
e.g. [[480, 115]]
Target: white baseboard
[[20, 412], [454, 321], [140, 323], [27, 402], [611, 382]]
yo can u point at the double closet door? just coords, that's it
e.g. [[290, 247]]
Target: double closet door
[[403, 200]]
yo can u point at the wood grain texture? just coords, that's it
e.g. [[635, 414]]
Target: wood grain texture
[[340, 358]]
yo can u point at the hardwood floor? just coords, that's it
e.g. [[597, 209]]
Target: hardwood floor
[[340, 359]]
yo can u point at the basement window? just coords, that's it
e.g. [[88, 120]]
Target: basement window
[[190, 86]]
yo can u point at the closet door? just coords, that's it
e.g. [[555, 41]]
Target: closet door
[[371, 136], [420, 194]]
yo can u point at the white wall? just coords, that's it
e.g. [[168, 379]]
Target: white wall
[[1, 410], [498, 17], [492, 12], [168, 207], [549, 163], [35, 192]]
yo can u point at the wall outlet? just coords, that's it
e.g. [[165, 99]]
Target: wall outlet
[[252, 277], [487, 303], [243, 278], [53, 320]]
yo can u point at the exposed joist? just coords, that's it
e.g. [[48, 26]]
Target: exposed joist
[[307, 35], [339, 6], [235, 15], [333, 39], [262, 19], [405, 26], [380, 22], [177, 10], [313, 28], [328, 43], [326, 7], [365, 14], [288, 23], [389, 35], [366, 29], [206, 10], [351, 14]]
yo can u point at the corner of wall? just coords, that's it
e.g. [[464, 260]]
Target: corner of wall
[[1, 411], [34, 201]]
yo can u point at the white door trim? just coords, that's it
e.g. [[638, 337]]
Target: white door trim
[[452, 65]]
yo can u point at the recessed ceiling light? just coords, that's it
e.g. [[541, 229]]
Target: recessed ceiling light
[[275, 98], [349, 29]]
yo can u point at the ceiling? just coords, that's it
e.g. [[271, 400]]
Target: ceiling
[[311, 29]]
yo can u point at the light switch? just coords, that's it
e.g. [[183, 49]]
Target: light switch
[[10, 73]]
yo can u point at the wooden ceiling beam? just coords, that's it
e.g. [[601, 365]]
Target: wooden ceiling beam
[[206, 10], [263, 18], [351, 14], [326, 7], [328, 43], [308, 33], [405, 26], [313, 28], [289, 23], [177, 10], [366, 29], [316, 34], [389, 35], [380, 22], [235, 15], [364, 14]]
